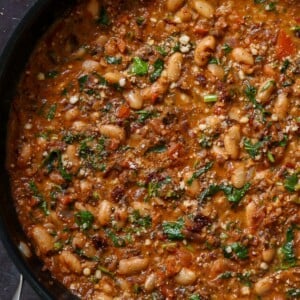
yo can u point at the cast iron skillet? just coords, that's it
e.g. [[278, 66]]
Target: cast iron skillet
[[13, 62]]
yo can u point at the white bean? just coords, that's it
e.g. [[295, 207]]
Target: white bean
[[216, 70], [132, 265], [104, 212], [204, 50], [238, 177], [243, 56], [112, 77], [70, 261], [203, 8], [265, 90], [192, 186], [268, 255], [90, 65], [232, 140], [43, 240], [113, 131], [174, 5], [174, 67], [263, 286], [251, 212], [281, 106], [150, 282], [185, 277], [134, 99]]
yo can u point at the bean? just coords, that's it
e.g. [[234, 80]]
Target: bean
[[203, 8], [263, 286], [113, 77], [243, 56], [174, 5], [185, 277], [150, 282], [43, 240], [93, 8], [251, 211], [113, 131], [216, 70], [192, 186], [79, 126], [71, 262], [134, 99], [72, 114], [281, 106], [232, 140], [158, 88], [143, 207], [183, 15], [238, 177], [268, 255], [132, 265], [90, 65], [174, 67], [104, 212], [265, 90], [204, 50]]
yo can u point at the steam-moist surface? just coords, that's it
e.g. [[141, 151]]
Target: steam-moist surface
[[157, 150]]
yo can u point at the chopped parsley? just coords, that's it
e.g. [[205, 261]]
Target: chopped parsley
[[158, 68], [51, 112], [139, 67], [144, 115], [253, 149], [226, 48], [51, 74], [173, 230], [199, 172], [84, 219], [158, 148], [118, 241], [287, 250], [238, 249], [42, 203], [138, 220], [250, 92], [82, 82], [291, 183], [285, 65]]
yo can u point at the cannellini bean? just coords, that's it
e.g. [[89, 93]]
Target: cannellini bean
[[71, 114], [174, 5], [185, 277], [158, 88], [134, 99], [216, 70], [192, 186], [113, 131], [113, 77], [43, 240], [150, 282], [232, 140], [265, 90], [174, 67], [251, 211], [183, 15], [104, 212], [204, 50], [90, 65], [268, 255], [79, 126], [72, 263], [203, 8], [132, 265], [263, 286], [281, 106], [239, 175], [93, 8], [243, 56]]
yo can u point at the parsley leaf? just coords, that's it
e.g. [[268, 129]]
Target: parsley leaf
[[51, 112], [139, 67], [145, 115], [173, 230], [209, 192], [250, 92], [158, 68], [287, 250], [117, 241], [137, 219], [43, 205], [84, 219], [291, 182], [237, 248], [226, 48], [158, 148], [233, 194], [252, 149], [199, 172]]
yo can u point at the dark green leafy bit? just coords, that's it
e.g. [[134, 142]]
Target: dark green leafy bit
[[158, 148], [250, 92], [291, 182], [225, 275], [214, 61], [253, 149], [162, 51], [284, 141], [158, 68], [153, 188], [49, 164], [51, 74], [144, 115], [117, 240], [106, 271], [138, 220], [104, 18], [226, 48], [140, 20], [270, 6], [238, 249], [285, 65], [209, 192], [173, 230], [205, 141], [195, 297], [287, 250], [293, 293], [199, 172], [51, 112], [71, 138], [43, 205], [113, 60], [84, 219], [244, 278], [139, 67], [82, 82]]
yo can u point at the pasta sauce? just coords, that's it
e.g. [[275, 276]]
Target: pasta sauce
[[156, 149]]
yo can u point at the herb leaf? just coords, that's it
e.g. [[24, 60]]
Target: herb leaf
[[38, 195], [287, 250], [117, 241], [158, 148], [103, 17], [199, 172], [291, 182], [158, 68], [173, 230], [209, 192], [137, 219], [252, 149], [139, 67], [84, 219], [237, 248], [51, 112], [233, 194]]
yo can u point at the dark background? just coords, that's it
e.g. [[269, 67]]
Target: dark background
[[11, 12]]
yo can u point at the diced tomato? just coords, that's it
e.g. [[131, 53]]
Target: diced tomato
[[123, 112], [285, 45]]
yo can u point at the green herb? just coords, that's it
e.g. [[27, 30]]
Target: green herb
[[290, 81], [270, 6], [137, 219], [267, 85], [240, 251], [205, 141], [245, 278], [145, 115], [225, 275], [287, 250], [152, 188], [158, 148], [140, 20], [285, 65], [176, 48], [253, 149], [173, 230], [158, 68], [161, 50], [51, 74], [51, 112], [293, 293], [250, 92], [58, 246], [259, 58], [214, 61], [291, 182], [210, 98], [71, 138], [82, 82], [139, 67], [103, 17], [106, 271], [199, 172], [233, 194], [195, 297], [44, 207], [226, 48], [209, 192], [84, 219], [283, 142], [117, 241], [113, 60], [271, 157]]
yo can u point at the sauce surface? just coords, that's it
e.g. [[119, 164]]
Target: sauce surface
[[156, 149]]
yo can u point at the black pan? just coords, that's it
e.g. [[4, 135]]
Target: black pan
[[12, 63]]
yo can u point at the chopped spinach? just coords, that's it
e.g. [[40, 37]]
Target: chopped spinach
[[139, 67], [158, 68], [173, 230], [200, 172], [84, 219]]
